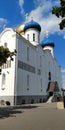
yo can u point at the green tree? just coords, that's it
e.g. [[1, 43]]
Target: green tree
[[4, 54], [60, 12]]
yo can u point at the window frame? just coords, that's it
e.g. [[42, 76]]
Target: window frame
[[27, 53], [28, 80], [3, 81], [5, 44], [33, 36], [27, 36]]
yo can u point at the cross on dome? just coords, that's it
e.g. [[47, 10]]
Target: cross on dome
[[26, 16], [47, 34]]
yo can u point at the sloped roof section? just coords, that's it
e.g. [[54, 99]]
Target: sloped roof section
[[53, 86]]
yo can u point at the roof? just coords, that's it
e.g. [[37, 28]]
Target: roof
[[32, 24], [47, 42], [53, 86], [20, 28]]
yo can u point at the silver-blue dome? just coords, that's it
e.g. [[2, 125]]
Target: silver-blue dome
[[32, 24], [47, 42]]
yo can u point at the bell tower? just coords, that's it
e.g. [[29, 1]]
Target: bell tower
[[32, 32]]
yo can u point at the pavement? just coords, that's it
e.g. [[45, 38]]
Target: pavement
[[43, 116]]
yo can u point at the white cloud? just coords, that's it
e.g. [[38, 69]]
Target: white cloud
[[42, 2], [64, 36], [56, 2], [42, 14], [21, 3], [3, 23], [63, 70]]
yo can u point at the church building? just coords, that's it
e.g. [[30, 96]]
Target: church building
[[34, 74]]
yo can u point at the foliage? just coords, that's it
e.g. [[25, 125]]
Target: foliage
[[60, 12], [4, 54]]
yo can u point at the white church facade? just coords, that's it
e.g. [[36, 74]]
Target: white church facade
[[34, 73]]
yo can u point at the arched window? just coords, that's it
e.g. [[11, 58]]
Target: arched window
[[3, 81], [27, 36], [38, 38], [49, 75], [33, 36], [27, 53], [5, 44]]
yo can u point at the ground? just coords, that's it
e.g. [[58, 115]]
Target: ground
[[32, 117]]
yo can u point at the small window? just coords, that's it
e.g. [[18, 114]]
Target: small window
[[9, 64], [27, 36], [39, 72], [49, 75], [41, 82], [3, 81], [27, 80], [40, 61], [27, 53], [5, 45], [38, 38], [33, 36]]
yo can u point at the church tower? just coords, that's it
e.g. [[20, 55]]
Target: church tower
[[20, 29], [32, 32], [48, 44]]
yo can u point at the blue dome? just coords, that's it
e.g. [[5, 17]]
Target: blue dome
[[47, 42], [32, 24]]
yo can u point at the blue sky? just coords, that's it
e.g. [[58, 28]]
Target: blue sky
[[12, 14]]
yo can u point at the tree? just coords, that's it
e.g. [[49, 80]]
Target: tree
[[60, 12], [5, 54]]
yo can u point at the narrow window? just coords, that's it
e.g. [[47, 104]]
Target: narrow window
[[27, 80], [41, 82], [33, 36], [38, 38], [3, 80], [40, 61], [27, 53], [9, 63], [5, 45], [49, 75], [27, 36]]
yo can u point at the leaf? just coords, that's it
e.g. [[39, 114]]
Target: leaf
[[5, 53]]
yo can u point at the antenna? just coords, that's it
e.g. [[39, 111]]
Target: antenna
[[4, 26], [26, 15], [47, 34]]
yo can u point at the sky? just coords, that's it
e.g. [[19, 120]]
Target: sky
[[13, 13]]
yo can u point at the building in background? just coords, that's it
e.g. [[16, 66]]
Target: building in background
[[34, 74]]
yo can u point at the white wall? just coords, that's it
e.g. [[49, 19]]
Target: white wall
[[22, 74], [42, 76], [47, 65], [31, 32], [16, 78], [51, 48], [8, 36]]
